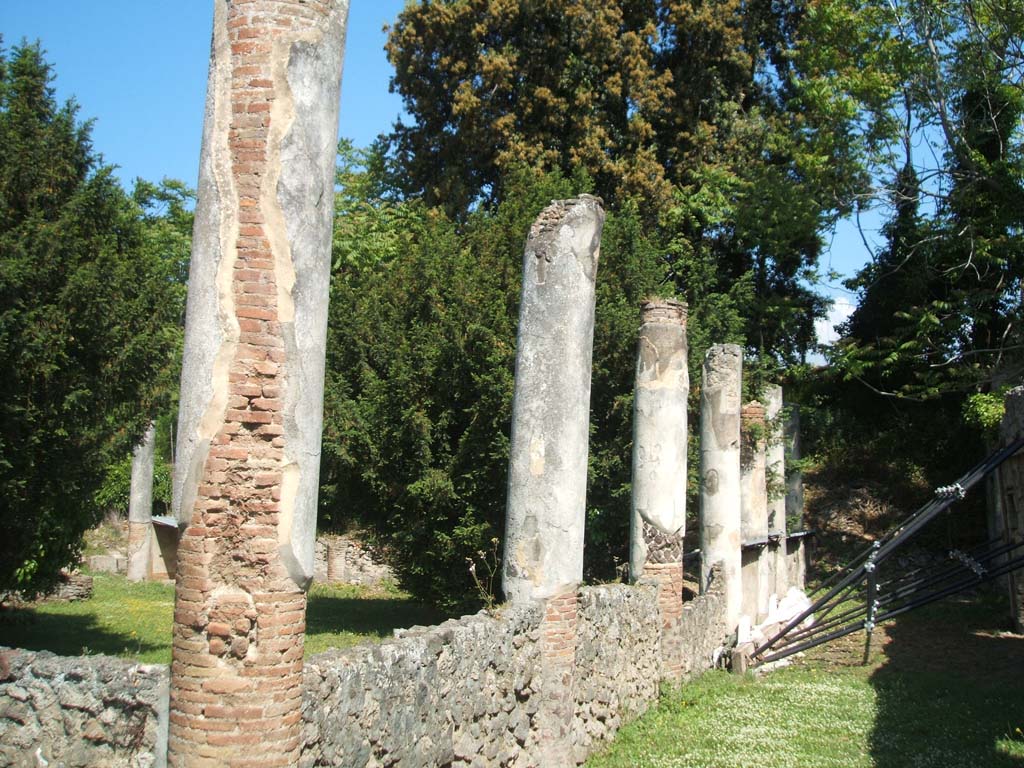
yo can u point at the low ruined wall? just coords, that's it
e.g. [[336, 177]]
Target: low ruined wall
[[434, 696], [91, 711], [466, 692], [702, 631], [618, 661]]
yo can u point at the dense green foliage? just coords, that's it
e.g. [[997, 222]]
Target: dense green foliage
[[941, 302], [688, 108], [421, 353], [87, 314]]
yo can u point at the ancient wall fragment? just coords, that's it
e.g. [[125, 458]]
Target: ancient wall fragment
[[720, 474], [252, 380]]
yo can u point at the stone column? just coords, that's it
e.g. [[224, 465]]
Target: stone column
[[658, 520], [1011, 483], [796, 550], [776, 473], [758, 577], [250, 415], [547, 485], [548, 455], [140, 508], [720, 474]]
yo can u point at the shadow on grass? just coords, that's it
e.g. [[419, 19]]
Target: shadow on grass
[[328, 614], [70, 635], [949, 693]]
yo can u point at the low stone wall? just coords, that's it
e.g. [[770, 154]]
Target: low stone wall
[[618, 661], [465, 693], [433, 696], [80, 711]]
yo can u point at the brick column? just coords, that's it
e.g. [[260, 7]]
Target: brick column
[[547, 487], [558, 666], [252, 382], [140, 508]]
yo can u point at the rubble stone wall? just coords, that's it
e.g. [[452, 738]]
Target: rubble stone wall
[[466, 692], [81, 711]]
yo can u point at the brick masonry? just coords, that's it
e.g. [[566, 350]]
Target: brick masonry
[[236, 675]]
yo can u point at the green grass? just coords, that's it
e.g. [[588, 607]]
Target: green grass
[[944, 692], [134, 620]]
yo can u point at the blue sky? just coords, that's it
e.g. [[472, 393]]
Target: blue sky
[[139, 68]]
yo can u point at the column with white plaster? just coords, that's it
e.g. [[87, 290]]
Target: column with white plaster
[[757, 560], [776, 472], [720, 473], [140, 508]]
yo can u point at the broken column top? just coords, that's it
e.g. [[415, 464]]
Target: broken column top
[[555, 213], [752, 414], [668, 311]]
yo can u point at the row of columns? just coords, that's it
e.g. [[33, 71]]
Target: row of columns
[[251, 407], [743, 538]]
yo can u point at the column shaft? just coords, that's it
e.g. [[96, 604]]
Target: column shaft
[[252, 381], [547, 484], [720, 473], [140, 508]]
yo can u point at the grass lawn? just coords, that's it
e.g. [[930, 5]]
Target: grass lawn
[[134, 620], [944, 689]]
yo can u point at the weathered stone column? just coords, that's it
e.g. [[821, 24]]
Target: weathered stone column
[[720, 473], [1011, 482], [758, 579], [658, 520], [140, 508], [548, 455], [547, 485], [252, 381], [796, 550], [776, 472]]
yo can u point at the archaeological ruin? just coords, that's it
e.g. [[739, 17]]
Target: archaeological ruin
[[542, 680]]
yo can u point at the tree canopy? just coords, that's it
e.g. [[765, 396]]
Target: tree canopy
[[86, 304]]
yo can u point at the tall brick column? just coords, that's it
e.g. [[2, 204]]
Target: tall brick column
[[140, 508], [658, 520], [547, 487], [252, 381]]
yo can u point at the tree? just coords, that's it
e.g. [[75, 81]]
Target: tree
[[84, 313], [933, 92], [684, 107], [421, 355]]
